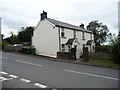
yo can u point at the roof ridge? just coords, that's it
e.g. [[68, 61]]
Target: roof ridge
[[67, 25], [64, 22]]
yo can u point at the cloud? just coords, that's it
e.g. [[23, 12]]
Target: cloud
[[7, 31], [119, 16], [14, 22], [19, 13]]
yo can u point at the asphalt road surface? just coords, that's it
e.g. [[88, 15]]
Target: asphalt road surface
[[22, 71]]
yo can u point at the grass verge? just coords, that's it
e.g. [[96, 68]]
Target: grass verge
[[105, 63]]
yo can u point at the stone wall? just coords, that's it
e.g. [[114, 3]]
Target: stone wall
[[64, 55], [10, 48], [99, 55]]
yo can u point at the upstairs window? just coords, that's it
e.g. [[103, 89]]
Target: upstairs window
[[62, 32], [83, 35], [74, 33], [91, 36]]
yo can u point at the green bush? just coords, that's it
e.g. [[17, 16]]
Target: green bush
[[2, 45], [116, 49], [103, 48], [116, 52]]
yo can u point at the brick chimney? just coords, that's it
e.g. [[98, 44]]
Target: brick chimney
[[82, 25], [43, 15]]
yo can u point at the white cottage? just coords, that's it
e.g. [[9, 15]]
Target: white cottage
[[52, 36]]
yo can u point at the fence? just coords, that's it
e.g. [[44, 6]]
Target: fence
[[8, 48], [100, 55]]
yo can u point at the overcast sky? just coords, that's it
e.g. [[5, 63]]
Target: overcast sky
[[21, 13]]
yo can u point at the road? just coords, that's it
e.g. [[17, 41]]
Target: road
[[22, 71]]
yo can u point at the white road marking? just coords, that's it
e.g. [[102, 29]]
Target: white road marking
[[29, 63], [4, 79], [54, 89], [25, 80], [13, 76], [3, 57], [94, 75], [22, 79], [1, 72], [40, 85]]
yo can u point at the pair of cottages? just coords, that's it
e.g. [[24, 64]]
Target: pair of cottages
[[51, 36]]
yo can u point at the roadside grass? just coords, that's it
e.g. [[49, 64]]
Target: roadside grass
[[105, 63]]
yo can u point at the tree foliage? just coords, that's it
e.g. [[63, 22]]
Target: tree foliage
[[116, 50], [23, 36], [103, 49], [26, 34], [13, 39], [99, 30]]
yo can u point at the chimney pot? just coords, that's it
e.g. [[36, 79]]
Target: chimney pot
[[43, 15], [82, 25]]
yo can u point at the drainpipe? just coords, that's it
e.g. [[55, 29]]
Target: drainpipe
[[59, 39]]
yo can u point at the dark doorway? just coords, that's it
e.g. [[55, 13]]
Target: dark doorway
[[73, 52]]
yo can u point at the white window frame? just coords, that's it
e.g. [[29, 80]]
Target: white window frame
[[83, 35], [69, 48], [62, 32], [74, 34], [91, 36], [63, 47]]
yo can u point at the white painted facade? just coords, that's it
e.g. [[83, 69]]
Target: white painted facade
[[70, 34], [45, 39], [48, 40]]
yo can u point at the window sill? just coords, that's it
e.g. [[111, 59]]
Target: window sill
[[63, 37]]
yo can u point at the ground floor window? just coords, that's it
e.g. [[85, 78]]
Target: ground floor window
[[93, 47], [69, 48], [63, 47]]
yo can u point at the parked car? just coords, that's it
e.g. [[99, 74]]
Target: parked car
[[18, 47], [15, 45]]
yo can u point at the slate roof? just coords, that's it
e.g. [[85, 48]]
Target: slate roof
[[66, 25], [70, 41]]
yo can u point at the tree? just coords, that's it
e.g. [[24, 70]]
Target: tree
[[116, 49], [13, 39], [12, 33], [99, 30], [2, 36], [7, 39], [112, 38], [26, 34]]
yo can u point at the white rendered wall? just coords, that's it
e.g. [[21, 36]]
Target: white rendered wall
[[46, 39], [84, 41], [70, 34]]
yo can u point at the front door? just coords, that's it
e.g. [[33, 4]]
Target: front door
[[73, 52], [75, 47]]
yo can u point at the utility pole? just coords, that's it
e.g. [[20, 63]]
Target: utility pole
[[0, 29], [118, 17], [0, 51]]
